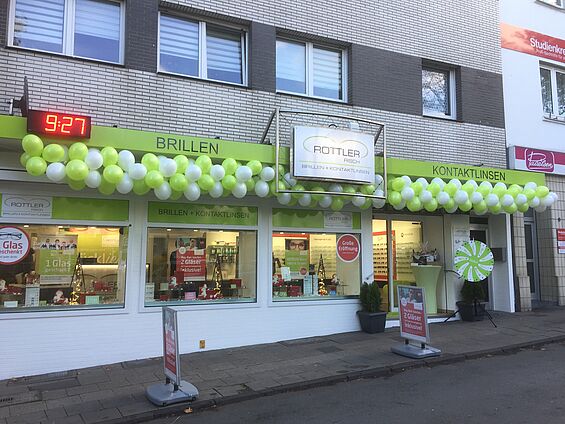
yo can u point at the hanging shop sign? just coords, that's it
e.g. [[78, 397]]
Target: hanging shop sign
[[530, 42], [18, 206], [348, 248], [536, 160], [336, 155], [561, 240], [14, 245], [412, 313], [58, 124]]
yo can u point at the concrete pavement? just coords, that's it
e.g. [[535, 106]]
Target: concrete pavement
[[115, 393]]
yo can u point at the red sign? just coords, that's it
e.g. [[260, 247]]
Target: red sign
[[59, 124], [192, 262], [412, 313], [531, 42], [348, 248], [537, 160], [14, 245], [561, 240], [170, 345]]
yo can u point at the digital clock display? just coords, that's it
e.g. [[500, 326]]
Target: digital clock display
[[58, 124]]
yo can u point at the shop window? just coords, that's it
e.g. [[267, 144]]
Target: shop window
[[202, 50], [90, 29], [311, 70], [53, 267], [553, 92], [308, 266], [195, 266], [438, 92]]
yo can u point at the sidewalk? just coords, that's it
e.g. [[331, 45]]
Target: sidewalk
[[115, 393]]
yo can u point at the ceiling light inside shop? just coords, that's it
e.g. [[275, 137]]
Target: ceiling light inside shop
[[26, 226], [168, 229]]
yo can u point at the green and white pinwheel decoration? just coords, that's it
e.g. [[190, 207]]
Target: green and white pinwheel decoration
[[474, 261]]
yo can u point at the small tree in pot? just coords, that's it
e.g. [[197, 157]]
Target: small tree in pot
[[471, 306], [371, 318]]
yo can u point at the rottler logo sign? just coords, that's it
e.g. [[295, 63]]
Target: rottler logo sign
[[329, 154]]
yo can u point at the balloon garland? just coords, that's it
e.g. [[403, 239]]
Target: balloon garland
[[171, 178]]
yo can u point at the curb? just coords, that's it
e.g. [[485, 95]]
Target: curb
[[378, 372]]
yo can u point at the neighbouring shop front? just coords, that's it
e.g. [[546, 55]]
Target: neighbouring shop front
[[99, 233]]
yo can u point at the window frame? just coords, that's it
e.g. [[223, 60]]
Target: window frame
[[309, 65], [202, 50], [553, 70], [553, 3], [69, 32], [452, 93]]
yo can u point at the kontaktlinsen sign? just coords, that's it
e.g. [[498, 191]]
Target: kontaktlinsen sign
[[330, 154]]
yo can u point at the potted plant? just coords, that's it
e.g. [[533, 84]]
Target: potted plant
[[471, 306], [371, 318]]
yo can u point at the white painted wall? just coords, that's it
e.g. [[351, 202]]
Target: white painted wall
[[502, 275]]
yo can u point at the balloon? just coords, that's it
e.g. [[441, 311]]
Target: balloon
[[450, 206], [229, 182], [499, 189], [298, 188], [243, 173], [466, 206], [480, 207], [367, 189], [288, 178], [93, 179], [407, 180], [154, 179], [535, 202], [336, 188], [125, 159], [176, 195], [56, 172], [76, 185], [400, 206], [523, 207], [305, 200], [378, 203], [473, 183], [450, 188], [32, 145], [167, 167], [398, 184], [431, 206], [417, 187], [443, 198], [394, 198], [106, 188], [486, 184], [542, 191], [531, 186], [326, 201], [192, 191], [351, 190], [426, 196], [273, 186], [217, 190], [491, 200], [317, 197], [52, 153], [521, 199], [267, 173], [240, 190], [506, 200], [178, 182], [495, 209], [284, 198], [193, 172], [78, 151], [379, 180], [476, 197], [137, 171], [461, 197], [93, 159], [511, 209], [163, 192], [204, 162], [337, 204], [434, 188], [514, 190], [217, 172], [250, 184], [229, 165], [140, 188], [76, 170], [529, 193], [414, 205], [407, 193], [540, 209], [547, 201], [182, 164], [423, 182], [439, 182], [125, 185], [358, 201], [456, 182], [468, 188], [113, 174], [255, 166], [484, 190], [150, 161], [205, 182], [261, 189], [109, 156], [24, 157]]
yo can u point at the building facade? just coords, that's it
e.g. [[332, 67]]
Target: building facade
[[243, 264]]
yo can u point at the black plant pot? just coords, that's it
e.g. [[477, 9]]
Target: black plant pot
[[372, 322], [471, 311]]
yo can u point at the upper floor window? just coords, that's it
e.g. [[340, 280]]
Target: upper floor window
[[202, 50], [311, 70], [553, 91], [557, 3], [90, 29], [438, 92]]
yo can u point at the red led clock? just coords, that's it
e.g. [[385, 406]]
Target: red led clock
[[58, 124]]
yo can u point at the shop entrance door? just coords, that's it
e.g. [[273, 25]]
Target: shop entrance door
[[532, 256], [480, 233]]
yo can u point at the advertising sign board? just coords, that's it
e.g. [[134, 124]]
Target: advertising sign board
[[171, 357], [412, 313]]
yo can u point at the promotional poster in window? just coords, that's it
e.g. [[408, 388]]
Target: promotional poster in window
[[56, 258], [188, 261]]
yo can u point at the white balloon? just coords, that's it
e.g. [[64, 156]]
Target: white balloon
[[460, 197], [267, 173], [486, 184], [335, 188], [193, 172], [400, 206], [378, 180], [358, 201], [261, 188], [305, 200], [473, 183], [456, 182], [163, 192], [547, 201], [289, 180], [217, 190], [378, 192], [501, 185], [379, 203], [407, 193], [217, 172], [191, 161], [125, 160], [56, 172], [531, 186], [422, 181], [439, 182], [535, 202], [554, 195], [426, 196], [94, 159], [243, 174], [168, 167], [521, 199], [540, 209], [192, 191], [125, 185], [506, 200], [325, 202], [407, 180], [491, 200], [93, 179], [443, 198], [284, 198], [476, 197], [240, 189], [137, 171]]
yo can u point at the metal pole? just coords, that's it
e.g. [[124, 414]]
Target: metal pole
[[268, 126], [277, 145]]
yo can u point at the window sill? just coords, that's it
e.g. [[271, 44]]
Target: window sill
[[66, 56], [62, 311], [554, 119], [191, 77], [306, 96], [441, 117]]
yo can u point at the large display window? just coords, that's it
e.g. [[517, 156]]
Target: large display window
[[191, 266], [48, 267]]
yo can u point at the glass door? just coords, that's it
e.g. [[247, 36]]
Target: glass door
[[380, 261]]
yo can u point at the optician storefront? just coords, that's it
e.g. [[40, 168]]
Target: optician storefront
[[95, 241]]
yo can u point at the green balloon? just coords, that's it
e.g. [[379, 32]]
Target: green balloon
[[496, 208], [523, 207], [484, 190], [337, 204], [368, 203], [109, 156], [250, 184], [76, 170], [317, 197], [292, 202], [450, 189], [414, 204], [175, 195], [282, 171], [205, 182], [480, 207], [24, 157], [76, 185], [514, 190], [417, 187], [349, 189], [154, 179], [113, 174], [140, 188], [529, 193], [367, 189], [32, 145], [150, 161], [467, 206], [53, 153], [228, 182], [499, 191], [36, 166], [299, 187], [205, 163], [398, 184], [255, 166], [431, 206], [229, 165], [449, 205], [468, 188], [77, 151], [542, 191], [106, 187], [178, 182], [273, 186], [182, 164], [434, 188], [511, 209], [394, 198]]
